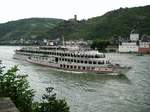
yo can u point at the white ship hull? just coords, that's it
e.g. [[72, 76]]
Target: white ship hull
[[69, 60], [101, 70]]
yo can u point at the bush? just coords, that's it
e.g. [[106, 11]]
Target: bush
[[17, 88], [51, 104]]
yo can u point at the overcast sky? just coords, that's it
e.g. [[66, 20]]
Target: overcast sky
[[64, 9]]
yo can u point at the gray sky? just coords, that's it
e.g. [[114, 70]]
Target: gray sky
[[64, 9]]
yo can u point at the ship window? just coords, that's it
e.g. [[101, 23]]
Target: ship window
[[71, 55], [94, 62], [75, 60], [68, 60], [107, 62], [81, 61], [68, 55], [82, 56], [75, 67], [71, 60], [65, 59], [88, 68], [67, 66], [97, 56], [101, 62], [90, 62], [78, 61], [85, 62], [83, 68], [75, 55], [60, 65], [79, 67], [71, 66], [62, 59], [64, 66]]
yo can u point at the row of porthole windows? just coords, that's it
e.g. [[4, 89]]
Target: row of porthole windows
[[85, 61], [74, 60], [40, 58], [77, 55], [76, 67], [67, 54]]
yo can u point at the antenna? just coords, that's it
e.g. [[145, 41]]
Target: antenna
[[63, 40]]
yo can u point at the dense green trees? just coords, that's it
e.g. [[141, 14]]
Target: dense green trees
[[17, 88], [51, 104], [100, 45], [28, 29]]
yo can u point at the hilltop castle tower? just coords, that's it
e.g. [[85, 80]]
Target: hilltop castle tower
[[75, 17]]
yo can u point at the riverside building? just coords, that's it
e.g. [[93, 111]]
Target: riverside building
[[134, 45]]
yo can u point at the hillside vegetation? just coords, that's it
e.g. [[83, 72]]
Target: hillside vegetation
[[33, 28], [110, 25]]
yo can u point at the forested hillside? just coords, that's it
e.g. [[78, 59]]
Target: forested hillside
[[110, 25], [33, 28]]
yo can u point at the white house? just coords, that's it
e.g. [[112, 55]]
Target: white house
[[135, 44], [131, 46], [134, 37], [128, 47]]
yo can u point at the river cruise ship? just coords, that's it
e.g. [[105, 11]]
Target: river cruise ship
[[69, 59]]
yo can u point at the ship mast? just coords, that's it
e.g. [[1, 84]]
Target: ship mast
[[63, 41]]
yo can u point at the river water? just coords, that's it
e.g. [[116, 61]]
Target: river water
[[92, 92]]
